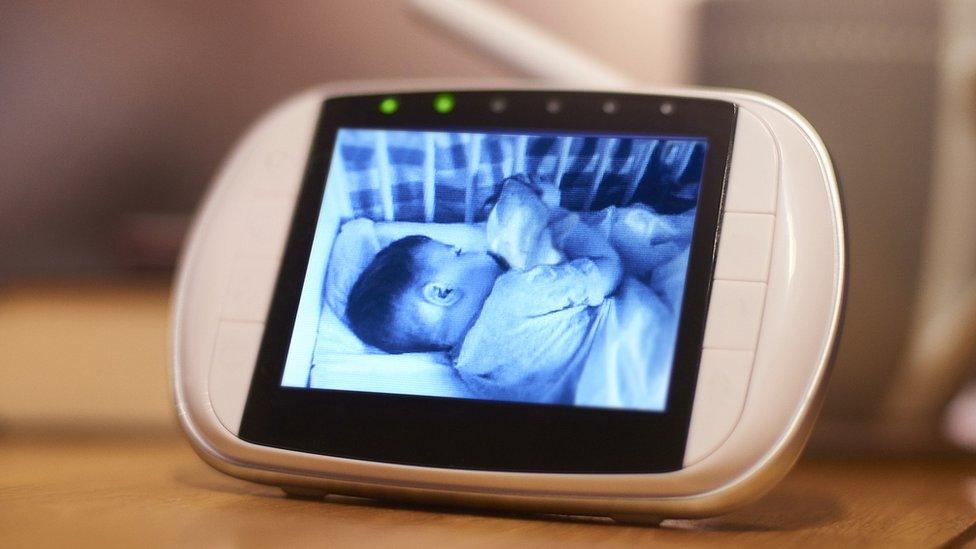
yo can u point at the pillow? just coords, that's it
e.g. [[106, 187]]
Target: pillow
[[335, 337], [413, 374], [359, 240], [354, 247]]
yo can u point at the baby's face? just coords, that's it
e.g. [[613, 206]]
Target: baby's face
[[453, 289]]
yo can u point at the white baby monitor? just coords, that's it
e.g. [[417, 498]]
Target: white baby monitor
[[614, 303]]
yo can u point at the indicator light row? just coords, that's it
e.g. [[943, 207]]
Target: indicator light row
[[444, 103]]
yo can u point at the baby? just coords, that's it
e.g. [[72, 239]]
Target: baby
[[520, 334]]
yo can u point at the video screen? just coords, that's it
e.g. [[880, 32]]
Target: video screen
[[534, 268]]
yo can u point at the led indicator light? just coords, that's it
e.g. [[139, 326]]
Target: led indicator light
[[389, 105], [444, 103]]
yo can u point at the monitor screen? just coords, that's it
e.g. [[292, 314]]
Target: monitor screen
[[504, 265], [478, 280]]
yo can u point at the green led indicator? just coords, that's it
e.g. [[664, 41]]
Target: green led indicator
[[444, 103], [389, 105]]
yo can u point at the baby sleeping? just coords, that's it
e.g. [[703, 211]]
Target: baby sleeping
[[518, 334]]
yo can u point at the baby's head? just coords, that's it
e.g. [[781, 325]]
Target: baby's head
[[419, 294]]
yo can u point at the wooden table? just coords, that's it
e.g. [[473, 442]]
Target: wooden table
[[151, 490]]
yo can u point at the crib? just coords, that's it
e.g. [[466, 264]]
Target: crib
[[446, 177], [392, 183]]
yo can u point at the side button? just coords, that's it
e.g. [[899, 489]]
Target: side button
[[723, 381], [754, 173], [734, 315], [231, 369], [744, 247], [250, 287], [268, 220]]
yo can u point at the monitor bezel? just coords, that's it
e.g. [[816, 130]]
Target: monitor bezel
[[480, 434]]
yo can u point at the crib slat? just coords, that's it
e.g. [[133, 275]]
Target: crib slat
[[521, 149], [564, 146], [385, 172], [474, 165], [508, 156], [429, 186], [606, 156], [337, 181], [639, 173]]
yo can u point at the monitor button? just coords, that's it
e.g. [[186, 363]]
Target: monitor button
[[234, 358], [744, 247], [734, 315], [268, 220], [754, 172], [252, 282], [278, 171], [720, 396]]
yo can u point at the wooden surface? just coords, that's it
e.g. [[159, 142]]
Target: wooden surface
[[72, 491]]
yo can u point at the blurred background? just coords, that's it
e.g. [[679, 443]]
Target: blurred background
[[116, 115]]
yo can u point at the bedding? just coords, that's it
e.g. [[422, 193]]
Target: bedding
[[341, 361], [654, 255]]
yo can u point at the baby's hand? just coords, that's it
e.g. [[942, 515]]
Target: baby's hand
[[517, 227]]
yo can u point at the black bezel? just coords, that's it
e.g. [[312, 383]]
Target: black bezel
[[478, 434]]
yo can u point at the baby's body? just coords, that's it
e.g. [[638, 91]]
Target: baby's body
[[532, 335]]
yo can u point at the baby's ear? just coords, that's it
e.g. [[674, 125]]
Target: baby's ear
[[440, 294]]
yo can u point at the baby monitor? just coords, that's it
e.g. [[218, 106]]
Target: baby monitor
[[613, 303]]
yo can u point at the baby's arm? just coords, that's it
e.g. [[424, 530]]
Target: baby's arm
[[584, 241]]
